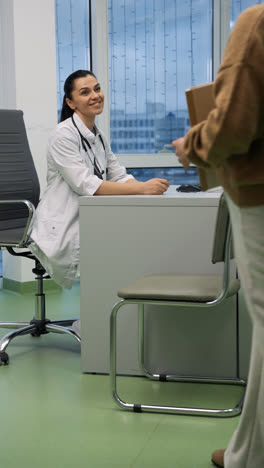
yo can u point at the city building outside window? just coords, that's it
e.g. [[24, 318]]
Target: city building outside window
[[154, 55]]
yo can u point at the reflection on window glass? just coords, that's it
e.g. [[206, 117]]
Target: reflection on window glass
[[154, 55], [237, 6], [72, 40], [175, 175]]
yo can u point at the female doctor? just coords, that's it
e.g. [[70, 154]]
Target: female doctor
[[79, 162]]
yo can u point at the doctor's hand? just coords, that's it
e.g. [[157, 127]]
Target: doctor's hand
[[155, 186], [183, 159]]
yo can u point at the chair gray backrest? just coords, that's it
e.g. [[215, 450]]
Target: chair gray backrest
[[221, 231], [18, 176]]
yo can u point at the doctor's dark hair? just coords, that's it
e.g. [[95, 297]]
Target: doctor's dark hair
[[66, 111]]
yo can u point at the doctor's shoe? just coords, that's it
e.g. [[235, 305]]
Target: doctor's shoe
[[76, 326], [218, 458]]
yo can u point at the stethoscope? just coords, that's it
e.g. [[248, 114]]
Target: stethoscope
[[98, 171]]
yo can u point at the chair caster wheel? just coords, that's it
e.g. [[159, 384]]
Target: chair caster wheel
[[4, 359]]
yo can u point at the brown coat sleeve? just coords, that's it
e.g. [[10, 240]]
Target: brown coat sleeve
[[238, 118]]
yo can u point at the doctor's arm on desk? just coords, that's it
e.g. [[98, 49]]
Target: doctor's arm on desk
[[133, 187], [81, 152], [64, 158], [118, 182]]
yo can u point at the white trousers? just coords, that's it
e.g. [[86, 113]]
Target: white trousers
[[246, 448]]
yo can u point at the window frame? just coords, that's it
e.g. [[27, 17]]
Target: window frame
[[100, 61]]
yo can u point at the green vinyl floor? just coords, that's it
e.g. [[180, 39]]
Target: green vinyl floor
[[54, 416]]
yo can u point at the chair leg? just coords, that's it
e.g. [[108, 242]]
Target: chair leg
[[32, 329], [52, 327], [63, 323], [113, 330], [13, 325], [39, 325], [229, 412], [4, 342], [141, 331]]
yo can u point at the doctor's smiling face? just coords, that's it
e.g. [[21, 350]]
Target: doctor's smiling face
[[87, 99]]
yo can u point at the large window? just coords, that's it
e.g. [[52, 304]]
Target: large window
[[73, 40], [154, 55], [237, 6], [157, 49]]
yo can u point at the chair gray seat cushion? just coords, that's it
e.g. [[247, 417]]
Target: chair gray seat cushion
[[199, 288]]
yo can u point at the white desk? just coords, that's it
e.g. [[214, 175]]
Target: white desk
[[125, 237]]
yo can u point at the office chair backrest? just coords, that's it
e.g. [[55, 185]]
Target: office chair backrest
[[221, 232], [18, 176]]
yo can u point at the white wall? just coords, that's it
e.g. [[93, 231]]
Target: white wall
[[28, 82], [7, 56]]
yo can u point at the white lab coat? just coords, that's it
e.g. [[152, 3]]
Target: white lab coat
[[70, 173]]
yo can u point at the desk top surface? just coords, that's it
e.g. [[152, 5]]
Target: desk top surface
[[169, 198]]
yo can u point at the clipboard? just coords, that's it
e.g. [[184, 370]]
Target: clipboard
[[200, 101]]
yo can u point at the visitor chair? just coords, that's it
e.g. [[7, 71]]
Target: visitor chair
[[181, 292], [19, 196]]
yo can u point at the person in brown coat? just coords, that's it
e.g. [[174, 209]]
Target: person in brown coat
[[231, 141]]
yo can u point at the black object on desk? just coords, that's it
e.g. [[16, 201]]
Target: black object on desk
[[188, 188]]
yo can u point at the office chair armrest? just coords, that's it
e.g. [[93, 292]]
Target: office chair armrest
[[31, 211]]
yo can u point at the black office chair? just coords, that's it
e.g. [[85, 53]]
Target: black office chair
[[179, 292], [19, 196]]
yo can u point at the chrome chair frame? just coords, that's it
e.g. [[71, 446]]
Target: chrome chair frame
[[22, 178], [229, 412], [39, 325], [24, 241]]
